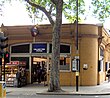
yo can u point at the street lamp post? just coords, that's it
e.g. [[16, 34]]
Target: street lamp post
[[77, 52]]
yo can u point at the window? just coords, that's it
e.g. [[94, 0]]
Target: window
[[101, 61], [20, 48], [101, 52], [26, 59], [63, 48], [100, 65], [107, 66], [64, 63]]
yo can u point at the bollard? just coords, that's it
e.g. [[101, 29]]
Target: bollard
[[2, 89]]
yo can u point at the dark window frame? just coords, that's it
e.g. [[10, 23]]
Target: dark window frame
[[21, 59], [22, 48], [62, 47]]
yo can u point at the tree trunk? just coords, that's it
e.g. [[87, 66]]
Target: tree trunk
[[54, 84]]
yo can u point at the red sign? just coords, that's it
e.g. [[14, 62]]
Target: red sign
[[22, 63], [13, 63]]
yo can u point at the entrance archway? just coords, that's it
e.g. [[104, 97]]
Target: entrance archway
[[39, 69]]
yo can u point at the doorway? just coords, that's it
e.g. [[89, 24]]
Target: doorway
[[39, 69]]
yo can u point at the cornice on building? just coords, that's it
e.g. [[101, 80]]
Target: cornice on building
[[68, 31]]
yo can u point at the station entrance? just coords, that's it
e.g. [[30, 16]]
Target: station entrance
[[39, 69]]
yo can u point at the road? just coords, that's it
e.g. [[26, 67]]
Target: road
[[56, 96]]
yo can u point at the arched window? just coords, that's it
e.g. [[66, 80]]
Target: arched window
[[63, 48], [22, 48]]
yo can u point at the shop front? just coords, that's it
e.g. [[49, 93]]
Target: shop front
[[94, 52], [40, 58]]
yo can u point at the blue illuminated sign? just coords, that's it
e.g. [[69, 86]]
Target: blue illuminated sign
[[39, 48]]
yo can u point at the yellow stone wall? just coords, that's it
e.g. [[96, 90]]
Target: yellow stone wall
[[89, 48], [89, 56]]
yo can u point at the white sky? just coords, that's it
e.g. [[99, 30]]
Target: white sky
[[17, 15]]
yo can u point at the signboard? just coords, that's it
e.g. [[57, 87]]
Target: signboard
[[16, 63], [13, 63], [22, 63], [34, 31], [75, 66], [39, 48]]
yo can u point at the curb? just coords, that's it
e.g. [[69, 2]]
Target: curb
[[71, 93], [63, 93]]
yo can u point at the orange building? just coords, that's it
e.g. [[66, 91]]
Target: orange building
[[94, 51]]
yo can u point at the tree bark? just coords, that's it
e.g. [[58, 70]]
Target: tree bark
[[54, 84]]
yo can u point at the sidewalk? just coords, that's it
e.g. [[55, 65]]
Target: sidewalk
[[33, 89]]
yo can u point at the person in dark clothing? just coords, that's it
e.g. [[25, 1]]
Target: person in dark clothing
[[39, 73], [108, 75], [18, 77], [43, 76]]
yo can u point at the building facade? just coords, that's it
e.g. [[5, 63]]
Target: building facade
[[94, 51]]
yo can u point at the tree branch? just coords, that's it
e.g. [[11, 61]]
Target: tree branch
[[54, 1], [50, 10], [48, 14]]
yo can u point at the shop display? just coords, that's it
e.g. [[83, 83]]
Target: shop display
[[10, 72], [10, 78]]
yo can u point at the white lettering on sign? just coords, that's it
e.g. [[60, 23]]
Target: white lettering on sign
[[39, 49], [22, 63], [13, 63]]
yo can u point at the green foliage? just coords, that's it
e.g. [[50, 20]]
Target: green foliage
[[35, 12], [69, 9], [101, 9]]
